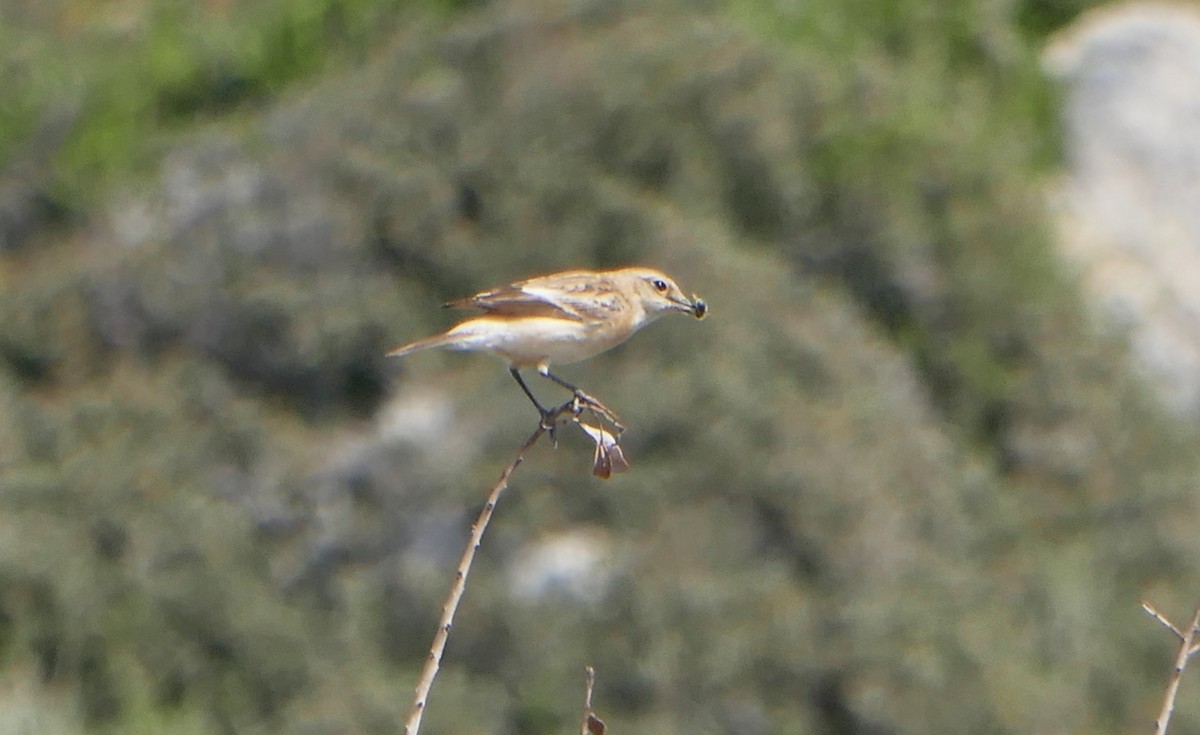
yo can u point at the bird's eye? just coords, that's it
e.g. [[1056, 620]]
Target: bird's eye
[[659, 284]]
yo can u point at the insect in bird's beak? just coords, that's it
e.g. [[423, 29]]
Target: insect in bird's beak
[[699, 307]]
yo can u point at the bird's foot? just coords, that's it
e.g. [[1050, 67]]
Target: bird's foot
[[549, 423]]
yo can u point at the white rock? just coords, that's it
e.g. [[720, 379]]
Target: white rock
[[1129, 204]]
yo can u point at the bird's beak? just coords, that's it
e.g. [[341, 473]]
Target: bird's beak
[[697, 307]]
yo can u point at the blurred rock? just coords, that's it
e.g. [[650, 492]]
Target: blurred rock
[[1129, 206], [574, 564]]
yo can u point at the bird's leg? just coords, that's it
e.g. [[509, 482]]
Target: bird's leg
[[583, 399], [547, 374], [547, 421]]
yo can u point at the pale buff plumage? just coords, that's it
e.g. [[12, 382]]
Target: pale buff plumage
[[561, 318]]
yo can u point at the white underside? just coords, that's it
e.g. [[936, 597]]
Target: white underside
[[530, 341]]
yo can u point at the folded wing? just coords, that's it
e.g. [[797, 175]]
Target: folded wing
[[576, 295]]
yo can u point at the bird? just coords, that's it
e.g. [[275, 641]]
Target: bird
[[560, 318]]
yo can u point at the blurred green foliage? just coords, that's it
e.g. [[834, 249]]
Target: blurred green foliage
[[1040, 18], [912, 161], [898, 482], [128, 75]]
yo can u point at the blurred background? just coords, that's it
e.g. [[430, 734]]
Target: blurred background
[[936, 441]]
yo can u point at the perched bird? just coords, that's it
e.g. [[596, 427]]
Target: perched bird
[[560, 318]]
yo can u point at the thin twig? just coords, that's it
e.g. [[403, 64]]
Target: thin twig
[[433, 662], [1187, 646], [591, 724], [1154, 613], [587, 701]]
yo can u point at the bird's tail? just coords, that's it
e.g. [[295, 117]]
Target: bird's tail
[[437, 340]]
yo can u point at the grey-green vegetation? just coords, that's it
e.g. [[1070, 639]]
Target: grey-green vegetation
[[898, 482]]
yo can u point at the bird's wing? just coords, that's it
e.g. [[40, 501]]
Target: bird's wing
[[574, 295], [512, 301]]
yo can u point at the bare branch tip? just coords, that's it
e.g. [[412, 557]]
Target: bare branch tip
[[1162, 619], [590, 724]]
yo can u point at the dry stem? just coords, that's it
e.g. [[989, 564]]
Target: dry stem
[[1188, 645], [591, 724], [429, 671]]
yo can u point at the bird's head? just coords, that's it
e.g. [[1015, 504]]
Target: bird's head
[[659, 294]]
